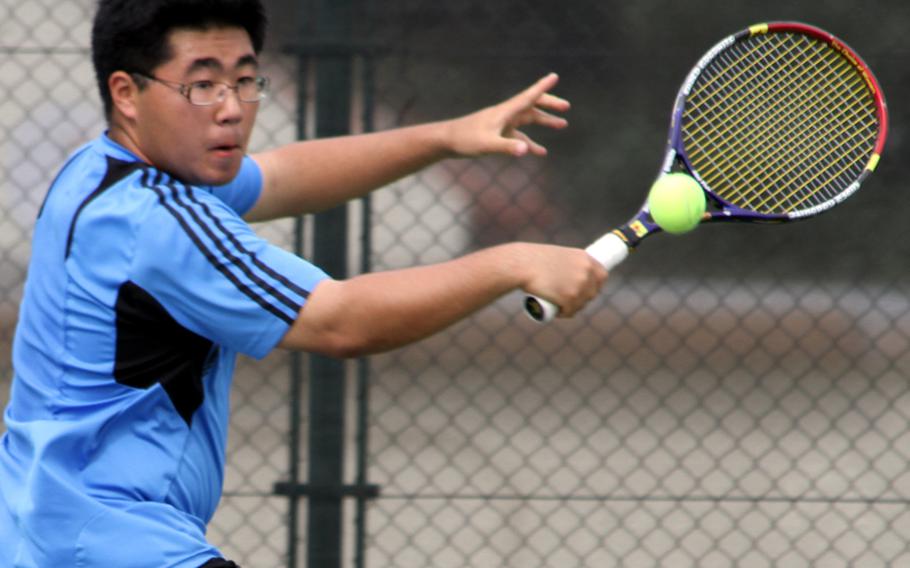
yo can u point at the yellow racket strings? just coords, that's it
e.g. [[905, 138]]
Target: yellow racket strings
[[767, 130], [754, 131], [779, 122]]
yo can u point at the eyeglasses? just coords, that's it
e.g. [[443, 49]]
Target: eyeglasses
[[208, 93]]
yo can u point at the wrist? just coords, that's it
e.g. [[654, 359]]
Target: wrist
[[513, 260], [444, 138]]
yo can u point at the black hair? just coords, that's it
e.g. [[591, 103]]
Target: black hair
[[132, 35]]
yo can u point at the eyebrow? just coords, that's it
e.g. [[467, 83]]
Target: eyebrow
[[215, 65]]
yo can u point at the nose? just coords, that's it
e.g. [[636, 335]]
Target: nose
[[230, 109]]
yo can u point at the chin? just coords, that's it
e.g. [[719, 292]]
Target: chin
[[221, 180], [220, 176]]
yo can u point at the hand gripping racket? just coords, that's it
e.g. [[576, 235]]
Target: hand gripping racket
[[778, 122]]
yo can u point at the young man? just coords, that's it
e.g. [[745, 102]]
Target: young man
[[146, 281]]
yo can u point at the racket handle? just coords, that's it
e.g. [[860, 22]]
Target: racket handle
[[609, 250]]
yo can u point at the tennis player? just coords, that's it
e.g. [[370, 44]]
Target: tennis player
[[146, 281]]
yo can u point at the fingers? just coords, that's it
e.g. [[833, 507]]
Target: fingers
[[538, 118], [530, 107], [588, 290], [533, 94], [568, 277], [549, 120], [552, 102], [495, 129], [524, 144], [538, 95], [516, 143]]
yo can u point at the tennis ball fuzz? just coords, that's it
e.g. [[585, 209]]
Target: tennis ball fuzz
[[676, 203]]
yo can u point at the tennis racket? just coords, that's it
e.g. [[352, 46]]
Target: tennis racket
[[778, 122]]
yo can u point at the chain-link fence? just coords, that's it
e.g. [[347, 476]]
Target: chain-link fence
[[737, 397]]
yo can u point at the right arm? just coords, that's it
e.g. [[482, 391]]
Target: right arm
[[379, 311]]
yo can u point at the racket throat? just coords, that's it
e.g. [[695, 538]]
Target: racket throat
[[639, 227]]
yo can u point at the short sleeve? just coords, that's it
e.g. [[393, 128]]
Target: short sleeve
[[216, 276], [244, 190]]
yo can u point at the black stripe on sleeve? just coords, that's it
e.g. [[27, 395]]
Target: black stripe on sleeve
[[227, 253], [246, 252], [162, 197]]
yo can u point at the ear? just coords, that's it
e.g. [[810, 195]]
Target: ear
[[124, 91]]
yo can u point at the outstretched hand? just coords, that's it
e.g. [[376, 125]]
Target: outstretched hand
[[496, 129]]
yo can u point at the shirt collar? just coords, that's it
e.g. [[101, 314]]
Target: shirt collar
[[116, 150]]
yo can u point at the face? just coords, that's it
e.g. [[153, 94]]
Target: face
[[197, 144]]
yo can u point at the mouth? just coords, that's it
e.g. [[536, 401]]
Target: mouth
[[225, 150], [225, 145]]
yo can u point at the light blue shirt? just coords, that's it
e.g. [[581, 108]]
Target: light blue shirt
[[141, 291]]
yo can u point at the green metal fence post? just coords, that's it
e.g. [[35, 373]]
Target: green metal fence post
[[330, 247]]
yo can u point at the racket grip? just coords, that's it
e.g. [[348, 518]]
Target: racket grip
[[609, 250]]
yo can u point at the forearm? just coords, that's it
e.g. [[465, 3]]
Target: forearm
[[315, 175], [312, 176], [380, 311], [384, 310]]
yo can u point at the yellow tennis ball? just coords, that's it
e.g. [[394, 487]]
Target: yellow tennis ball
[[676, 203]]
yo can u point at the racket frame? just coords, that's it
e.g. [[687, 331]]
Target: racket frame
[[676, 159], [608, 248]]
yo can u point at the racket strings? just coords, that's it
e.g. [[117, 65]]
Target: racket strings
[[812, 128], [778, 122], [808, 129], [788, 126], [750, 140], [758, 128]]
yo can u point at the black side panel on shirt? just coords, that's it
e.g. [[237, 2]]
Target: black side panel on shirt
[[153, 348], [219, 563], [116, 171]]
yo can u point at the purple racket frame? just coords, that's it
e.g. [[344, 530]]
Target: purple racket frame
[[676, 159], [613, 247]]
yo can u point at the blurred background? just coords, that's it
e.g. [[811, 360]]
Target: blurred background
[[738, 396]]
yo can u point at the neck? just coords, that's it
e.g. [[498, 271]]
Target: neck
[[124, 136]]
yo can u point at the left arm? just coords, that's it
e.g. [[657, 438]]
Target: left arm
[[314, 175]]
